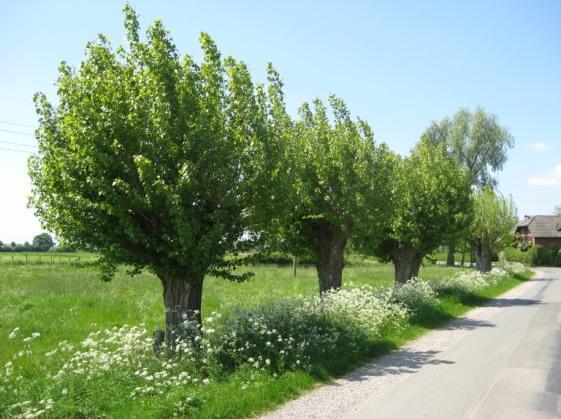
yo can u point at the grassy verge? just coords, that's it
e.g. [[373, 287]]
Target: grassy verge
[[269, 392], [66, 304]]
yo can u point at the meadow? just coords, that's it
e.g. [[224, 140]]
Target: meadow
[[44, 304]]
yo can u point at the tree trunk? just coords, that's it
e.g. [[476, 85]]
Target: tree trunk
[[451, 258], [182, 300], [294, 267], [483, 256], [407, 263], [330, 255]]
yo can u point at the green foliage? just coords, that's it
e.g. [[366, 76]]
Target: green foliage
[[43, 242], [431, 201], [156, 161], [476, 140], [494, 219], [557, 210], [535, 256], [547, 256], [526, 257], [342, 178]]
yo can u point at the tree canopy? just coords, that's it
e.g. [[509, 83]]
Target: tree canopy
[[476, 140], [157, 162], [432, 201], [43, 242], [342, 185], [492, 227]]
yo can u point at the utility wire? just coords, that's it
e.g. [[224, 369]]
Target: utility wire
[[17, 132], [19, 151], [16, 124], [20, 144]]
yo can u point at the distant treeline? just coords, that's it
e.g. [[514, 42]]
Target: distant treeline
[[26, 247], [41, 243]]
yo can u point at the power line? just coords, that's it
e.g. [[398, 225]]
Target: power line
[[16, 124], [20, 144], [19, 151], [17, 132]]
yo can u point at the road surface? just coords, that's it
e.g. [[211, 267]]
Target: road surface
[[499, 361]]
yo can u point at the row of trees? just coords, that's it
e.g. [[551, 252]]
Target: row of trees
[[479, 144], [160, 163], [41, 243]]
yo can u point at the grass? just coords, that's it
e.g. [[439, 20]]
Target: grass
[[64, 302]]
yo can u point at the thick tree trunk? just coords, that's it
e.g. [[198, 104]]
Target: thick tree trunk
[[407, 263], [330, 255], [182, 300], [483, 256], [451, 258]]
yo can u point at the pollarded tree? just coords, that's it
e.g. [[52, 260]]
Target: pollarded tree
[[432, 202], [491, 230], [342, 186], [159, 163], [478, 142]]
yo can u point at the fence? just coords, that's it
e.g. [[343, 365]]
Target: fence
[[46, 258]]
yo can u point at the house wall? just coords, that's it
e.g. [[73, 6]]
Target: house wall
[[548, 241]]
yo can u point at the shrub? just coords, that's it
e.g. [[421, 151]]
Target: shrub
[[475, 281], [514, 255], [535, 255], [415, 294]]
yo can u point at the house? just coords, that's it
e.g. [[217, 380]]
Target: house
[[544, 230]]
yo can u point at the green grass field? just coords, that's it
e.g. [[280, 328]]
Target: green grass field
[[65, 302]]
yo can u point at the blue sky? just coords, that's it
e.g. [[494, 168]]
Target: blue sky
[[398, 65]]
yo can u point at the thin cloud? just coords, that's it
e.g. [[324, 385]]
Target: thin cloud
[[552, 178], [540, 146]]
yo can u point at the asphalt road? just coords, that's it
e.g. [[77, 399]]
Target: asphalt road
[[499, 361]]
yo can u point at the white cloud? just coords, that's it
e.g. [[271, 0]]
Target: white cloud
[[540, 146], [552, 178]]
